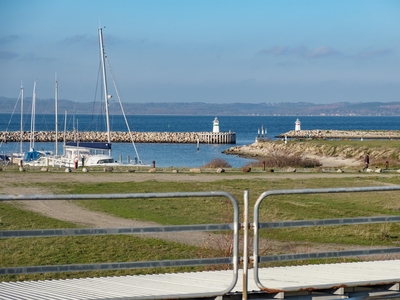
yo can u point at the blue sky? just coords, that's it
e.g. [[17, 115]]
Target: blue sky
[[204, 51]]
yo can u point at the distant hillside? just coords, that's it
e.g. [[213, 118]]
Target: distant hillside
[[47, 106]]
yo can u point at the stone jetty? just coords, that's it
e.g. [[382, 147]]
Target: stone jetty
[[125, 137], [341, 134]]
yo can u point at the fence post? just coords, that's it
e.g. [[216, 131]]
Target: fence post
[[245, 243]]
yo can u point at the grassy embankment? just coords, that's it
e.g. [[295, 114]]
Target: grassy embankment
[[66, 250], [381, 151]]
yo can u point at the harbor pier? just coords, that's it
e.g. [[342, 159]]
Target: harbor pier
[[125, 137], [340, 134]]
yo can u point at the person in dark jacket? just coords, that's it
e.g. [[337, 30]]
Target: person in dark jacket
[[366, 161]]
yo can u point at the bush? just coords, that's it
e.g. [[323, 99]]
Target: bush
[[282, 160], [217, 163]]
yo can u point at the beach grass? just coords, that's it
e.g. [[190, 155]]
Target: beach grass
[[66, 250], [367, 143]]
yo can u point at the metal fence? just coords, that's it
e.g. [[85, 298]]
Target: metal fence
[[234, 226], [257, 225]]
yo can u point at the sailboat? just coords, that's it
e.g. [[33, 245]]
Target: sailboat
[[102, 150], [32, 156], [19, 155], [16, 156], [77, 154]]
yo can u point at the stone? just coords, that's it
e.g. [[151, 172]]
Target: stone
[[291, 170], [85, 170], [44, 169], [378, 170], [246, 169], [369, 170], [21, 169], [152, 170], [340, 171], [175, 171], [195, 170], [67, 170], [220, 170]]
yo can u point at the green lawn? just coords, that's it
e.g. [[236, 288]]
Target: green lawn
[[65, 250]]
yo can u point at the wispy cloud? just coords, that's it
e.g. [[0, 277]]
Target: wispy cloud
[[318, 52], [77, 39], [276, 50], [30, 56], [89, 39], [6, 55], [321, 52], [7, 39], [373, 53]]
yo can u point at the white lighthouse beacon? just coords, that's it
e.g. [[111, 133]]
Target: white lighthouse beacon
[[216, 125], [297, 125]]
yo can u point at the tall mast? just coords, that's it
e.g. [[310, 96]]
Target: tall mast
[[32, 139], [22, 119], [106, 97], [56, 104]]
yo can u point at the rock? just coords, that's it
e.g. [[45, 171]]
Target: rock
[[152, 170], [398, 171], [290, 169], [378, 170], [44, 169], [340, 171], [67, 170], [369, 170], [220, 170], [85, 170], [195, 170], [21, 169], [175, 171], [246, 169], [108, 169]]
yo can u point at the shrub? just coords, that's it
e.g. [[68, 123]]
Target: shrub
[[282, 160], [217, 163]]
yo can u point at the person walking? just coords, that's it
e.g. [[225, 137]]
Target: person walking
[[366, 161]]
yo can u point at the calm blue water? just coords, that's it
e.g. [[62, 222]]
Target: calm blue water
[[186, 155]]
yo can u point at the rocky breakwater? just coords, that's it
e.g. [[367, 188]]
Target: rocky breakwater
[[124, 137], [341, 134], [316, 150]]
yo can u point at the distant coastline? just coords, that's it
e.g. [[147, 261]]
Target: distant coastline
[[47, 106]]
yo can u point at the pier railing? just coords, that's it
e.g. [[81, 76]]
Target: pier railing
[[256, 259]]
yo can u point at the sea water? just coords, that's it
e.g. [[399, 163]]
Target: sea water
[[187, 155]]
